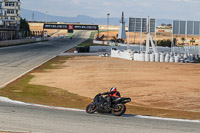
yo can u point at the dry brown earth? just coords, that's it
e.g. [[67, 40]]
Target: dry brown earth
[[158, 85]]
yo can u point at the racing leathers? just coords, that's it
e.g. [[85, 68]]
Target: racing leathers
[[112, 95]]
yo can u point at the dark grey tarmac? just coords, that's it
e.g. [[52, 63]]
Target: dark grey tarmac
[[30, 119]]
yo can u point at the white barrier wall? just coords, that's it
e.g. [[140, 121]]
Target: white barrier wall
[[127, 54]]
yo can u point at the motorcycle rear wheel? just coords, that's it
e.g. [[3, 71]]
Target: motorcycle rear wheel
[[120, 110], [91, 108]]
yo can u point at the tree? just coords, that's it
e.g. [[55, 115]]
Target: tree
[[175, 41], [169, 25], [192, 41], [115, 39], [163, 24], [183, 40], [24, 26], [164, 43]]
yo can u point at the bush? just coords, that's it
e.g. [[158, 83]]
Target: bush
[[164, 43]]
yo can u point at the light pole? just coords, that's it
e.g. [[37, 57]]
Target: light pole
[[107, 25], [46, 16]]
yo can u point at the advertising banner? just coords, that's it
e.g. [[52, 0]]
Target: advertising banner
[[71, 27], [186, 27], [140, 24], [55, 26], [86, 27]]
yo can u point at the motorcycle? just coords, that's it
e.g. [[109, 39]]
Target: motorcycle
[[100, 105]]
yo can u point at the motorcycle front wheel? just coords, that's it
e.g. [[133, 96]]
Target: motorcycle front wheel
[[119, 110], [91, 108]]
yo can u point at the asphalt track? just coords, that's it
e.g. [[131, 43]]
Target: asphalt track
[[29, 118]]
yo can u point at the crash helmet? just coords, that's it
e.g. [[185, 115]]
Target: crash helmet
[[113, 89]]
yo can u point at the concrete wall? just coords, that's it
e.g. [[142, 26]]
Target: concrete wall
[[108, 48], [18, 42]]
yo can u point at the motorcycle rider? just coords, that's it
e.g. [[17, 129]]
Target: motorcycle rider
[[112, 95]]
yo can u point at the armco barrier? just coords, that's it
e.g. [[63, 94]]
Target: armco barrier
[[19, 41]]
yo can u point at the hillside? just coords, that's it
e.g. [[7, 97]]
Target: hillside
[[39, 16]]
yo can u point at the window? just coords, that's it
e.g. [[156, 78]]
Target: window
[[12, 18], [10, 11], [9, 4]]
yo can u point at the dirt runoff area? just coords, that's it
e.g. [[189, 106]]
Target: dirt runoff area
[[155, 85]]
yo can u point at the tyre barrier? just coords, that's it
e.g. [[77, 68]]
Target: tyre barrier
[[172, 59], [155, 57], [152, 57], [167, 57], [147, 57], [162, 57]]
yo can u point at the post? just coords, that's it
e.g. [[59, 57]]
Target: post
[[46, 16], [186, 50], [128, 46], [107, 25], [148, 35], [172, 43], [199, 43], [134, 31], [98, 34], [149, 25], [43, 33], [199, 38], [156, 35], [141, 36]]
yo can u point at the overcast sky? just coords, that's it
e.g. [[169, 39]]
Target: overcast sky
[[170, 9]]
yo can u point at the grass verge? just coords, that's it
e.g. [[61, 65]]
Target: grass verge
[[89, 42], [21, 90]]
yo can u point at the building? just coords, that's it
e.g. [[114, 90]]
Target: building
[[10, 14], [1, 12]]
